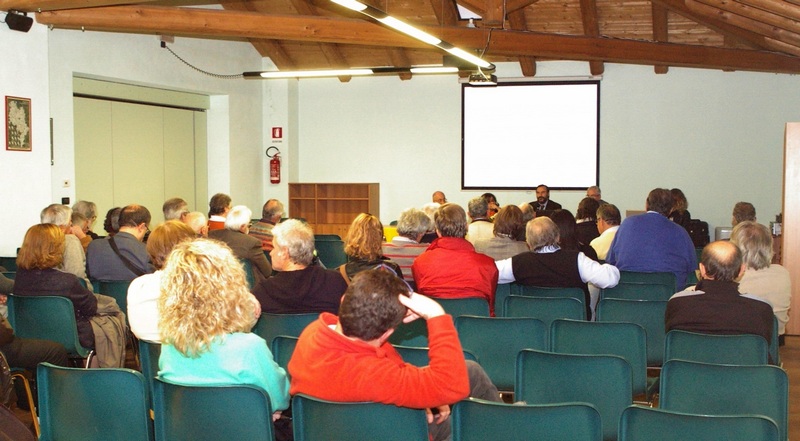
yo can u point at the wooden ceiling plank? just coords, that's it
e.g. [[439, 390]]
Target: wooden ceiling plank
[[204, 23], [273, 49], [55, 5], [754, 14], [724, 28], [778, 7], [446, 12], [516, 5], [660, 31], [745, 23]]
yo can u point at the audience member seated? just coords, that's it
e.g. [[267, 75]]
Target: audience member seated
[[197, 222], [74, 260], [491, 201], [528, 212], [218, 208], [271, 214], [568, 238], [298, 286], [608, 220], [762, 279], [430, 210], [450, 267], [89, 210], [237, 224], [111, 222], [650, 242], [595, 193], [715, 305], [362, 244], [37, 275], [144, 291], [122, 256], [586, 221], [438, 197], [480, 227], [349, 359], [679, 213], [206, 317], [509, 235], [548, 265], [743, 211], [80, 225], [175, 209], [406, 246], [543, 205]]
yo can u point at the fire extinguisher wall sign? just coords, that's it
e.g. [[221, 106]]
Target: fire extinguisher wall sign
[[274, 164]]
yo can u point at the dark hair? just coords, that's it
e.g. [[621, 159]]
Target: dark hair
[[451, 220], [660, 201], [566, 229], [111, 224], [743, 211], [679, 202], [587, 209], [134, 215], [508, 222], [218, 204], [489, 197], [370, 306], [722, 260]]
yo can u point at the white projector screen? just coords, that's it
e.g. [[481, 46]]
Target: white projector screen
[[518, 135]]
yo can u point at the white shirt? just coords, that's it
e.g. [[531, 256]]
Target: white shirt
[[143, 316], [602, 243], [602, 276]]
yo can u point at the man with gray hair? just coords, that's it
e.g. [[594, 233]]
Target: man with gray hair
[[299, 286], [743, 211], [549, 266], [595, 193], [175, 209], [237, 225], [608, 220], [481, 226], [271, 214], [197, 222], [406, 246], [715, 305], [74, 256]]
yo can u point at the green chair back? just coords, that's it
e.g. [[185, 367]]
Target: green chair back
[[320, 420], [545, 309], [626, 340], [497, 341], [324, 237], [282, 350], [9, 263], [717, 389], [552, 292], [46, 318], [10, 274], [211, 413], [331, 252], [745, 349], [647, 424], [118, 289], [149, 352], [271, 325], [249, 276], [480, 420], [500, 293], [92, 404], [642, 286], [603, 381], [774, 353], [465, 306], [660, 278], [414, 334], [648, 314], [419, 356]]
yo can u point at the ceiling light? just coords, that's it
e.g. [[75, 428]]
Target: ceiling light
[[409, 30], [385, 70], [434, 70], [351, 4], [464, 55]]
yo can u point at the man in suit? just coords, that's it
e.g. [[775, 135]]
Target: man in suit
[[543, 205], [237, 225], [130, 259]]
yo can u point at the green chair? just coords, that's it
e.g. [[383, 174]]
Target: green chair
[[48, 318], [414, 334], [659, 278], [626, 340], [465, 306], [497, 341], [271, 325], [331, 252], [321, 420], [647, 424], [642, 286], [10, 274], [649, 314], [211, 413], [419, 356], [9, 263], [717, 389], [541, 291], [92, 404], [118, 289], [19, 374], [774, 353], [603, 381], [480, 420], [324, 237], [249, 276], [545, 309], [282, 350], [744, 349], [149, 352], [500, 293]]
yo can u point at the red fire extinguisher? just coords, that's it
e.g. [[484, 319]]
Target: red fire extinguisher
[[274, 165]]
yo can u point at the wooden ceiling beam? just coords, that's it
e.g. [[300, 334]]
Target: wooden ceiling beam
[[517, 21], [516, 5], [271, 49], [446, 12], [205, 23], [399, 58], [660, 31], [330, 51], [779, 7], [765, 30], [54, 5], [591, 27], [726, 29], [755, 14]]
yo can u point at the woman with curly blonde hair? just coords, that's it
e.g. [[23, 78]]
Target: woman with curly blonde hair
[[206, 313], [362, 244]]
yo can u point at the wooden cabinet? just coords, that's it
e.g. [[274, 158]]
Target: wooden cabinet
[[330, 208]]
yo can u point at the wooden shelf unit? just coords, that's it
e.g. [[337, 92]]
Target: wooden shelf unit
[[331, 208]]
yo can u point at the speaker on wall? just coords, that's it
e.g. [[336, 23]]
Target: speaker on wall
[[19, 21]]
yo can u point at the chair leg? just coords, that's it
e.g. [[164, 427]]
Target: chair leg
[[89, 359], [31, 404]]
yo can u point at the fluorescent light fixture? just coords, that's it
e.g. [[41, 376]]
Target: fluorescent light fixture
[[464, 55], [315, 73], [434, 70], [386, 70], [409, 30], [351, 4]]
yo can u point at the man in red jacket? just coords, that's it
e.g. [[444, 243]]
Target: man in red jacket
[[348, 358]]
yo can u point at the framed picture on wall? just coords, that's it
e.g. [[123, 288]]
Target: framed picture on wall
[[18, 123]]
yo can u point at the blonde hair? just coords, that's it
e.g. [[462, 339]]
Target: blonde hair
[[364, 238], [42, 248], [204, 296]]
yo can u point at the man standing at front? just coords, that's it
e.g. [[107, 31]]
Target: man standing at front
[[348, 358], [650, 242]]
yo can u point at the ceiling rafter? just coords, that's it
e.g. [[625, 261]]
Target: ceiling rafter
[[591, 28], [518, 22], [267, 48], [660, 31]]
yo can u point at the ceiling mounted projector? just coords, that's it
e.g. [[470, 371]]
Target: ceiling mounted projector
[[478, 79]]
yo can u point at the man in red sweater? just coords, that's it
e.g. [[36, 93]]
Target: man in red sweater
[[348, 358]]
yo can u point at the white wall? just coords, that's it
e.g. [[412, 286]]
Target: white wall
[[716, 135], [24, 176]]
